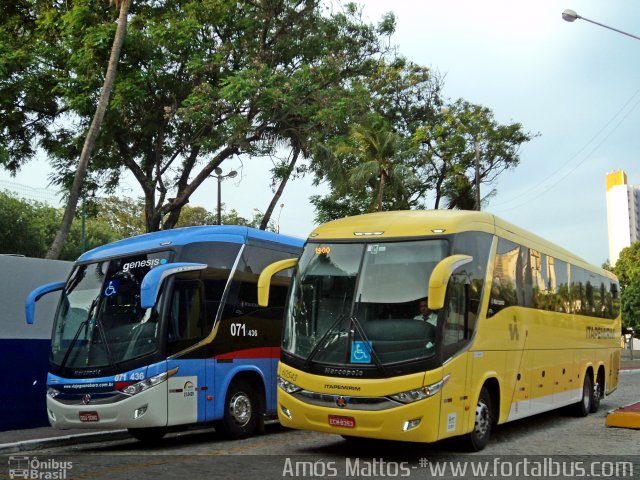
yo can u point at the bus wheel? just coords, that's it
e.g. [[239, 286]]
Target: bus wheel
[[477, 439], [584, 406], [148, 435], [598, 393], [241, 413]]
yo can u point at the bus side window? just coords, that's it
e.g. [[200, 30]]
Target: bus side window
[[186, 324], [456, 324]]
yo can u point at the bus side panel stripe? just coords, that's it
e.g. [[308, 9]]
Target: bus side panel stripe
[[260, 352]]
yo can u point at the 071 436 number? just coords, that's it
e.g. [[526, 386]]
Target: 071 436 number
[[241, 330]]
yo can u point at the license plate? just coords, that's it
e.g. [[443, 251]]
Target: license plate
[[340, 421], [89, 417]]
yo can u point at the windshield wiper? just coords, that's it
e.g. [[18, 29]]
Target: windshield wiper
[[101, 332], [103, 337], [84, 323], [323, 338]]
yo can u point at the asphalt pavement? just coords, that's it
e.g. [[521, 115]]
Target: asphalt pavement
[[12, 441]]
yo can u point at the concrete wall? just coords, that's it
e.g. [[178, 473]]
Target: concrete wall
[[24, 349]]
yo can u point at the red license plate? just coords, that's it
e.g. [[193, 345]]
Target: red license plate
[[89, 417], [340, 421]]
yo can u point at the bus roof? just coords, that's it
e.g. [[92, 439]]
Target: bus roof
[[187, 235], [423, 223], [404, 223]]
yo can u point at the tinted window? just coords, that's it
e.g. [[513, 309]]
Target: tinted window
[[478, 245], [506, 271], [186, 324]]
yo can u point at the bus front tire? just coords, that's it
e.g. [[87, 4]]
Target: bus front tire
[[241, 411], [584, 406], [478, 438], [148, 435]]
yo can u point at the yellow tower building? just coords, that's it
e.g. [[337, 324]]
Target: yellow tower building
[[623, 219]]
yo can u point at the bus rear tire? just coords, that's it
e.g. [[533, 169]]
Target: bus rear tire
[[241, 411], [148, 435], [478, 438], [598, 392], [584, 406]]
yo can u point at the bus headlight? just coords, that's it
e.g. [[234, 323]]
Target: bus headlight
[[421, 393], [52, 392], [287, 386], [147, 383]]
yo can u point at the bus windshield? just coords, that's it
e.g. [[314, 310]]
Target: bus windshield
[[360, 303], [99, 321]]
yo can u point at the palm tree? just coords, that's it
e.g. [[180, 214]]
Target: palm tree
[[374, 148], [92, 134]]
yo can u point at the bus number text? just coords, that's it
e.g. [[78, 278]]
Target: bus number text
[[241, 330]]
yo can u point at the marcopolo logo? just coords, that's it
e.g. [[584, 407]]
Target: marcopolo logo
[[151, 262], [26, 467]]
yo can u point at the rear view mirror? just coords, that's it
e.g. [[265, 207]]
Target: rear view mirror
[[440, 278], [34, 296], [264, 281]]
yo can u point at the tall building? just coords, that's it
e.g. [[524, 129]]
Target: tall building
[[623, 213]]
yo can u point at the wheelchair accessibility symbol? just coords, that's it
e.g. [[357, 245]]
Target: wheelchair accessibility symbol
[[360, 352], [112, 288]]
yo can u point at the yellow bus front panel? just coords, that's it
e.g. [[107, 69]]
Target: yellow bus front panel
[[366, 409]]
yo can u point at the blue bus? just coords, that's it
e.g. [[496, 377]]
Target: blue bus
[[164, 330]]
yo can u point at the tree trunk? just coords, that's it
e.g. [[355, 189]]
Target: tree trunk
[[278, 194], [90, 141]]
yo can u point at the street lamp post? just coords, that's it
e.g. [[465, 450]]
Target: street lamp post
[[278, 222], [221, 177], [572, 16]]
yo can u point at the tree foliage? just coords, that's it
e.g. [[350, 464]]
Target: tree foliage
[[198, 83], [28, 228], [434, 152], [448, 149], [627, 269]]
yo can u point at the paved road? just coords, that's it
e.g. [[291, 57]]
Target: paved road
[[552, 445]]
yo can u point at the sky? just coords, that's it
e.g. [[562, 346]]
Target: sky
[[576, 85]]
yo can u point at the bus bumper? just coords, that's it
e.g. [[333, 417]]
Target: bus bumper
[[146, 409], [408, 422]]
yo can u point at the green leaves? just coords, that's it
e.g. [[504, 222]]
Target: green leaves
[[627, 269]]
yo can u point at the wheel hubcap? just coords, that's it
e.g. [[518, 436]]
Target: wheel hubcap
[[240, 409], [483, 421], [597, 394]]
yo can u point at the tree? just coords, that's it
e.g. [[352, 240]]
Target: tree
[[449, 148], [198, 83], [627, 269], [27, 228], [92, 134], [367, 158], [435, 153]]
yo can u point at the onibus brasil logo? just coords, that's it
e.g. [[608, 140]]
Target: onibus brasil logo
[[33, 468]]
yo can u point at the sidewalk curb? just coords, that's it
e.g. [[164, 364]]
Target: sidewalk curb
[[39, 443]]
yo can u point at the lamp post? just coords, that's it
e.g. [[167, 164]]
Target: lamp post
[[278, 222], [476, 145], [221, 177], [572, 16]]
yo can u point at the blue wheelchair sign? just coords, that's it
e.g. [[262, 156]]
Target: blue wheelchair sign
[[112, 288], [360, 352]]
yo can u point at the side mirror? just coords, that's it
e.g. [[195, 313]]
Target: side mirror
[[440, 278], [153, 279], [264, 281], [34, 296]]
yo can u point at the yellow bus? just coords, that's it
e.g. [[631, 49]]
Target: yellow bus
[[423, 325]]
